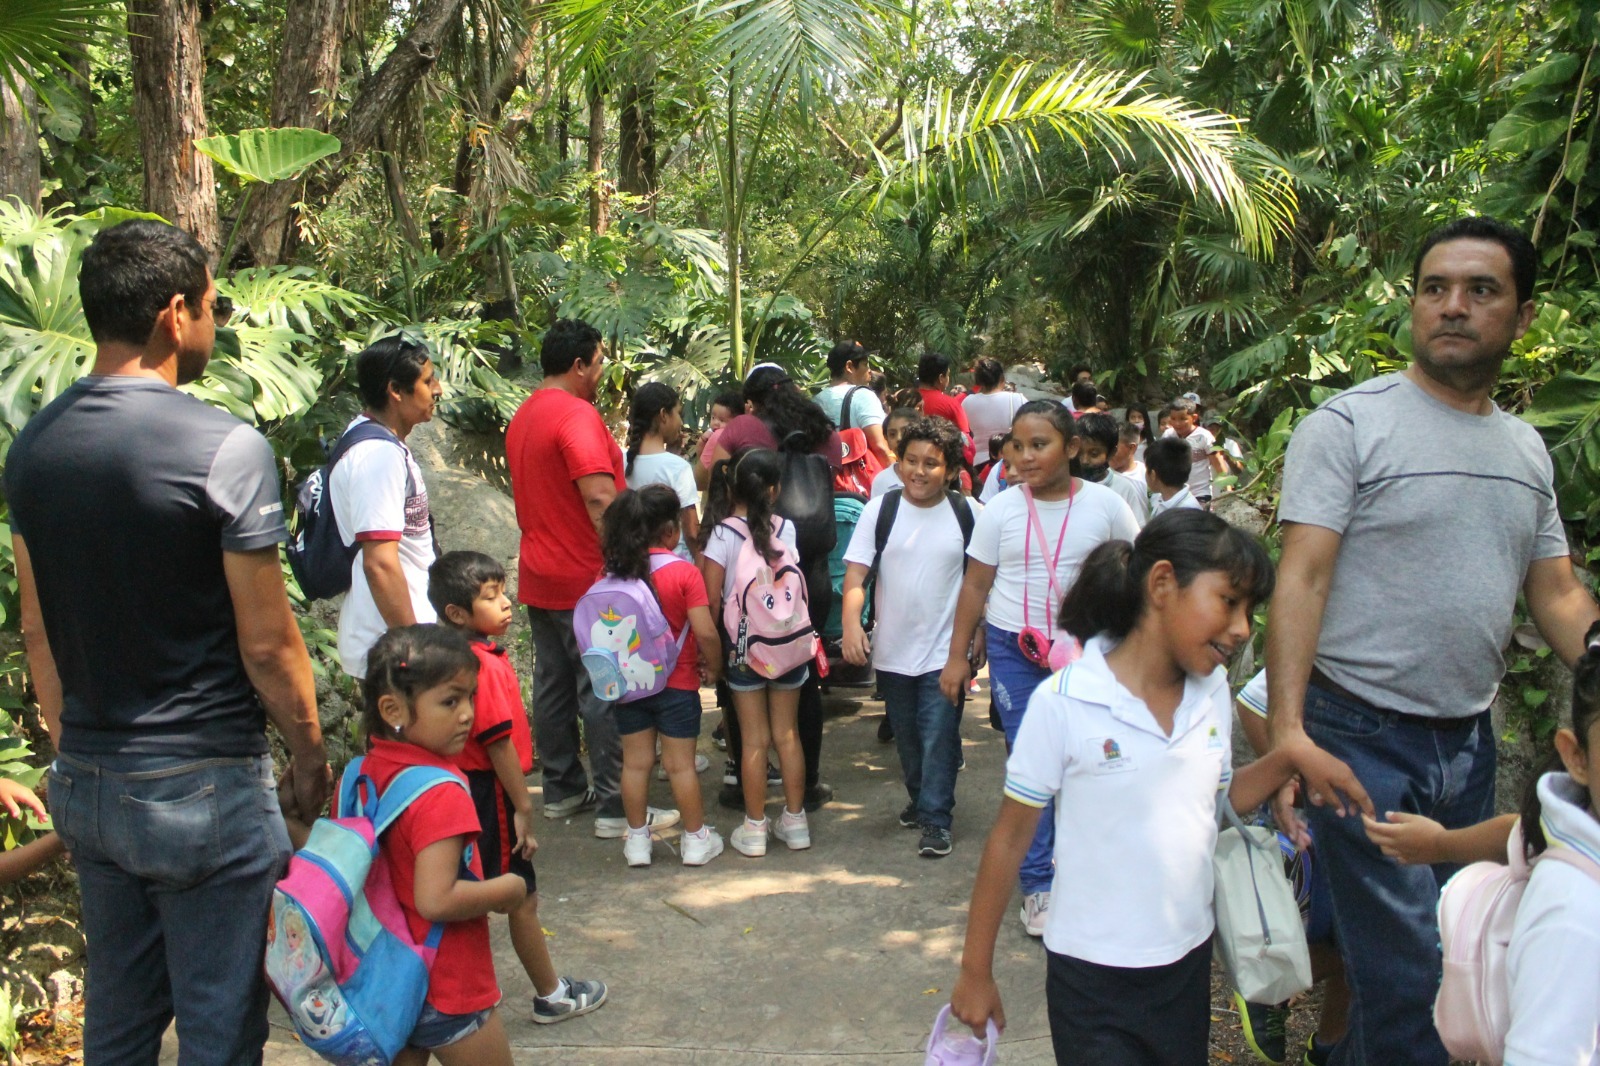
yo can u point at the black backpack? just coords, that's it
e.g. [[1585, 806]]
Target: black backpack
[[880, 539], [806, 498], [319, 557]]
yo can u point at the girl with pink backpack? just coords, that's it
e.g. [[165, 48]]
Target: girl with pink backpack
[[756, 589]]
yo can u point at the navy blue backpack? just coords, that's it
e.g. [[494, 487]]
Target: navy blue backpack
[[319, 557]]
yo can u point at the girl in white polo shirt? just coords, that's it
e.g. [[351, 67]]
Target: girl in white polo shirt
[[1133, 742]]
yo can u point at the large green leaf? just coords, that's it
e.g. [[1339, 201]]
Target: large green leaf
[[268, 155], [44, 342], [1566, 412]]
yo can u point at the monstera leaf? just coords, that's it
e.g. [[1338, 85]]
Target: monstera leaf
[[268, 155]]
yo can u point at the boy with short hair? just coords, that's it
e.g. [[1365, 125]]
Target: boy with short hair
[[919, 578], [1183, 423], [1097, 441], [1123, 461], [1166, 471], [1084, 397], [889, 477], [468, 590]]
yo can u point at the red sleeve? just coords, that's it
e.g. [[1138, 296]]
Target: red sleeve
[[442, 812], [587, 448]]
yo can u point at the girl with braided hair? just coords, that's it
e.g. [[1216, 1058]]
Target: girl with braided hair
[[655, 426]]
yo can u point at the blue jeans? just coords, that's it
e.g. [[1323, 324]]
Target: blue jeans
[[1385, 914], [176, 860], [1012, 679], [927, 733]]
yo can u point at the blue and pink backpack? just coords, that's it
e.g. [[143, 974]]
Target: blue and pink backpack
[[628, 647], [340, 954]]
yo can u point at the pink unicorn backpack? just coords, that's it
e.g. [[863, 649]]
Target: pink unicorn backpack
[[340, 954], [628, 647], [1477, 912], [767, 615]]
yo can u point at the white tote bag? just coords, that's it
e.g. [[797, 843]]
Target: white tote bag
[[1260, 938]]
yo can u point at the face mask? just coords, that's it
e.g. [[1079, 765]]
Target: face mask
[[1095, 474]]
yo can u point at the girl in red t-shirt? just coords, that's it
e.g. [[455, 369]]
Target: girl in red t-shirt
[[419, 688], [638, 527]]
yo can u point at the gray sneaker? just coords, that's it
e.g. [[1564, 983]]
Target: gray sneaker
[[587, 800], [581, 997], [908, 817], [935, 842]]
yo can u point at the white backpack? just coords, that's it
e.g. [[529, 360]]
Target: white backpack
[[1260, 939], [1477, 911]]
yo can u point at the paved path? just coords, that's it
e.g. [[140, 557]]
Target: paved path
[[839, 954]]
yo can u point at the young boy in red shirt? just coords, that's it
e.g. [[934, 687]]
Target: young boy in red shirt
[[468, 590]]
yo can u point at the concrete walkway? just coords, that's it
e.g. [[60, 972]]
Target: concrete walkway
[[839, 954]]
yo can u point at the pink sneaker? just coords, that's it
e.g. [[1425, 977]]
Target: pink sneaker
[[960, 1048]]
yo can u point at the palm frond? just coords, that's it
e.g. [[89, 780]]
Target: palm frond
[[993, 136], [777, 45], [38, 36]]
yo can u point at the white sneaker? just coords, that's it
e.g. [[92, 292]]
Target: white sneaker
[[793, 831], [1035, 909], [697, 851], [750, 839], [617, 828], [636, 848], [701, 765]]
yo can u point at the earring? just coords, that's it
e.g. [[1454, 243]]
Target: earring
[[396, 730]]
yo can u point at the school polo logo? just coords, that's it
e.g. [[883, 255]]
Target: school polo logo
[[1108, 756], [1110, 749], [1214, 741]]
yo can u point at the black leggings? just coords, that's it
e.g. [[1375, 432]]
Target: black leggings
[[819, 593]]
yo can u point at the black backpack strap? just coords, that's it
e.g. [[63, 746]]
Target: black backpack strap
[[963, 518], [880, 540], [844, 407]]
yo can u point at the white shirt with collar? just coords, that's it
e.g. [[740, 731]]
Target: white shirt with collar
[[1136, 810], [1553, 962], [1182, 500]]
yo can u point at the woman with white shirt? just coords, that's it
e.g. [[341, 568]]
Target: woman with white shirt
[[990, 407]]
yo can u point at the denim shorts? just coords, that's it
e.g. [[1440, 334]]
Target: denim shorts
[[435, 1029], [673, 712], [741, 678]]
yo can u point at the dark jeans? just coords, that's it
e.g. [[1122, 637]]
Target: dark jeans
[[561, 692], [176, 860], [819, 596], [927, 734], [1012, 679], [1127, 1016], [1385, 914]]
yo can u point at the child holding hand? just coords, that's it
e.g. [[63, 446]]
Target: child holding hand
[[21, 861], [1133, 739], [468, 590], [418, 712]]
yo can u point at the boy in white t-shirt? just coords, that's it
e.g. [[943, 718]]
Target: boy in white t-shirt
[[381, 504], [1097, 442], [1166, 470], [1183, 422], [918, 580], [1125, 460]]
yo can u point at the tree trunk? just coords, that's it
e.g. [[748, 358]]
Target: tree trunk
[[563, 143], [636, 138], [168, 71], [395, 182], [302, 95], [19, 145], [383, 94], [597, 147]]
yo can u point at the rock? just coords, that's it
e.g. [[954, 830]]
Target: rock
[[1030, 380], [468, 491], [1242, 512]]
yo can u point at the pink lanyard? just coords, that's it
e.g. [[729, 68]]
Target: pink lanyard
[[1044, 546]]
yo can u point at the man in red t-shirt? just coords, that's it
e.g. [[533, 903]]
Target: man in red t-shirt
[[933, 377], [565, 470]]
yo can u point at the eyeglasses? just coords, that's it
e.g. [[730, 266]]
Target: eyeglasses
[[222, 310]]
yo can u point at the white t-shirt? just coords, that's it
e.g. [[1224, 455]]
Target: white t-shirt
[[865, 410], [989, 413], [1133, 493], [368, 488], [1182, 500], [1553, 962], [1200, 442], [887, 480], [1135, 474], [674, 471], [1136, 810], [1098, 515], [723, 546], [919, 580]]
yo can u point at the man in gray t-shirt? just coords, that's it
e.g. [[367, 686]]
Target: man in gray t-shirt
[[1414, 511]]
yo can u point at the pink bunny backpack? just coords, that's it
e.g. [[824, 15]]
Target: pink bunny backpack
[[960, 1047]]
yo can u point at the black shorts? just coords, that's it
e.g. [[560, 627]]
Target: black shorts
[[498, 837], [1121, 1016]]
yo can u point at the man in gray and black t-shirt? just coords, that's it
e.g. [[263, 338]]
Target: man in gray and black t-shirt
[[160, 639], [1414, 512]]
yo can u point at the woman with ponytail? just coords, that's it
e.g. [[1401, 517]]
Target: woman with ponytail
[[655, 426], [1133, 740]]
